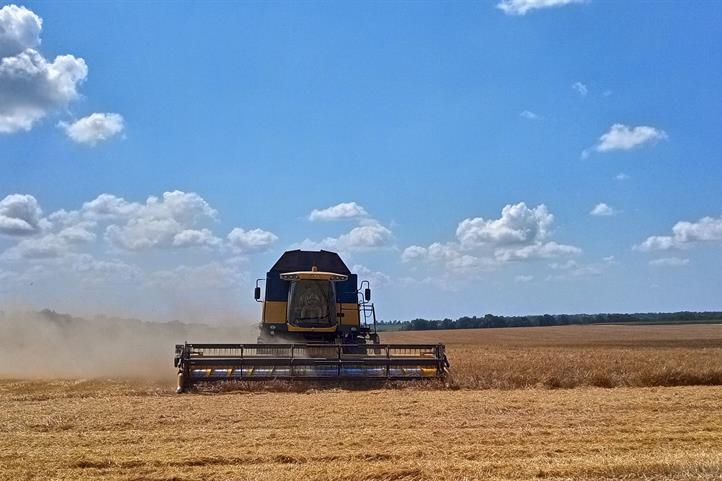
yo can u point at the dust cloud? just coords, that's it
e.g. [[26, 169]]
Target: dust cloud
[[45, 344]]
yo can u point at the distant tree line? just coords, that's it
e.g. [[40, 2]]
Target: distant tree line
[[490, 320]]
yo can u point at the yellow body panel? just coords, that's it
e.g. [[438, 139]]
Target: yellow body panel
[[350, 314], [274, 312]]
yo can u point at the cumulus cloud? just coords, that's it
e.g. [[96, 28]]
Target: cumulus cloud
[[80, 232], [47, 246], [155, 223], [108, 206], [66, 252], [94, 128], [603, 210], [519, 234], [536, 251], [368, 236], [521, 7], [529, 115], [254, 240], [621, 176], [414, 253], [344, 210], [375, 278], [31, 86], [623, 137], [685, 234], [669, 262], [20, 215], [195, 237], [580, 88], [517, 224], [19, 29], [174, 220]]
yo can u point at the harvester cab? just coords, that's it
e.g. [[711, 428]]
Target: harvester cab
[[311, 296], [317, 323]]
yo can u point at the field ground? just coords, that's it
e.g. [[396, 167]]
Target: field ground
[[116, 431], [123, 430], [572, 356]]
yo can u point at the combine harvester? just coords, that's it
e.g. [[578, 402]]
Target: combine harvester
[[317, 324]]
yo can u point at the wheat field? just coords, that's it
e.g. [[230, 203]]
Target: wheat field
[[116, 429], [572, 356]]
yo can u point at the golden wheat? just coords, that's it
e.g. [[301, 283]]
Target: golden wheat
[[571, 356], [95, 430], [118, 430]]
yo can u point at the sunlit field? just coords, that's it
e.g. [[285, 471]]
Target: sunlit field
[[571, 356], [522, 405]]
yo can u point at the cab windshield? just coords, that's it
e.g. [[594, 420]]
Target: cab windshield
[[312, 303]]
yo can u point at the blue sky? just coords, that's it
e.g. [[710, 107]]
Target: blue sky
[[408, 127]]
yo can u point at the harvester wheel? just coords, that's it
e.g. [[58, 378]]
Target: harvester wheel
[[181, 383]]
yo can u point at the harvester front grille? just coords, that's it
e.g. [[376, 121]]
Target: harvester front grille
[[199, 363]]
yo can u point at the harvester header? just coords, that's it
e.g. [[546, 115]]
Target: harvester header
[[317, 322]]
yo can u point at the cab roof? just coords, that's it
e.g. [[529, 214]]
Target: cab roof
[[304, 261]]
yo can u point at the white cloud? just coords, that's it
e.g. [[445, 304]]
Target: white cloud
[[19, 29], [31, 87], [623, 137], [669, 262], [521, 7], [520, 234], [537, 250], [414, 253], [254, 240], [517, 225], [174, 220], [524, 278], [78, 233], [20, 215], [375, 278], [580, 88], [366, 237], [603, 210], [621, 176], [48, 246], [568, 264], [109, 206], [529, 115], [94, 128], [572, 270], [95, 271], [195, 237], [685, 234], [656, 243], [155, 223], [344, 210]]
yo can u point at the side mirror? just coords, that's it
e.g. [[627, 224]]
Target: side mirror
[[257, 293], [367, 294]]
